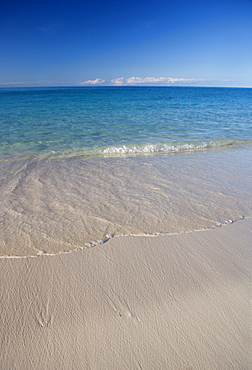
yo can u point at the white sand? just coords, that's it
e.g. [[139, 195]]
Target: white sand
[[60, 205], [167, 302]]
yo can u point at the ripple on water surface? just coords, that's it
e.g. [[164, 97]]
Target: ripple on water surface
[[55, 205]]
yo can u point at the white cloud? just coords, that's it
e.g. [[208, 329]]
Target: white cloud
[[163, 80], [124, 81], [137, 80], [153, 80], [118, 81], [93, 82]]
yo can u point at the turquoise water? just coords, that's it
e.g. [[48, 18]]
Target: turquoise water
[[121, 120], [81, 165]]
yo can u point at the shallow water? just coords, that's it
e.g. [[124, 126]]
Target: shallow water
[[79, 166], [108, 121], [55, 205]]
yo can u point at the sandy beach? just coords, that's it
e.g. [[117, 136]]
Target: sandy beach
[[137, 302], [126, 185]]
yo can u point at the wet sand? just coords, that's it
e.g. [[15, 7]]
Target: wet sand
[[65, 204], [136, 302]]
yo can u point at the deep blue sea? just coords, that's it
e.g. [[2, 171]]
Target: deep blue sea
[[79, 166], [114, 120]]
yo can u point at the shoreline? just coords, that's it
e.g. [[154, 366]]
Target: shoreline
[[62, 205], [180, 301], [97, 243]]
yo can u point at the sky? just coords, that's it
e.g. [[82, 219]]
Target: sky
[[126, 42]]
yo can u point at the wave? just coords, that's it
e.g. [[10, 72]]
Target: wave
[[170, 147], [127, 149]]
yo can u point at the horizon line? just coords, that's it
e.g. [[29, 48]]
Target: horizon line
[[3, 86]]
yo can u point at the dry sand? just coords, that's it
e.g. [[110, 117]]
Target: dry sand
[[167, 302]]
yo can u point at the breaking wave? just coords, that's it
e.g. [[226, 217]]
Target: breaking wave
[[168, 147]]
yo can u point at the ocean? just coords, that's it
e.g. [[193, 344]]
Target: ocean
[[81, 165]]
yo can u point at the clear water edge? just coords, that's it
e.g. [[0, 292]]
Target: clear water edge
[[127, 150], [58, 197], [108, 237], [96, 121]]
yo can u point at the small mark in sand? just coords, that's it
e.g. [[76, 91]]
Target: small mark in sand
[[107, 259], [44, 316], [44, 322]]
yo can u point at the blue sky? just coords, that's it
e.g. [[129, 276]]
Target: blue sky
[[133, 42]]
